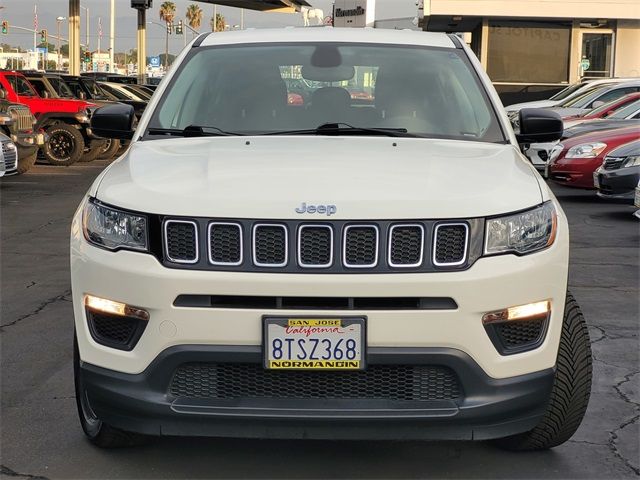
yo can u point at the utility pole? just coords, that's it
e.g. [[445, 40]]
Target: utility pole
[[74, 37], [59, 20], [242, 19], [215, 17], [35, 30], [142, 44], [112, 35]]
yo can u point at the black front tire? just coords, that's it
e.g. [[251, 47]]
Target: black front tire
[[65, 145], [26, 162], [99, 433], [110, 149], [571, 388]]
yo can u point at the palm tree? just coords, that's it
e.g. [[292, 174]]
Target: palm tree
[[218, 24], [167, 14], [194, 16]]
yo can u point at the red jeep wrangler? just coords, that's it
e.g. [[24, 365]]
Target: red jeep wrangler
[[66, 121]]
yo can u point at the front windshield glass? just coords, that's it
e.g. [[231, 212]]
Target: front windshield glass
[[94, 89], [271, 89], [565, 92], [587, 97], [626, 111], [595, 112]]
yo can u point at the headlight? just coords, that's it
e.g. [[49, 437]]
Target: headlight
[[522, 233], [632, 161], [586, 150], [112, 229]]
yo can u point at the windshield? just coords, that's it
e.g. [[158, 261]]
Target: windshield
[[61, 88], [21, 86], [584, 98], [94, 89], [271, 89], [115, 93], [595, 112], [626, 111], [565, 92]]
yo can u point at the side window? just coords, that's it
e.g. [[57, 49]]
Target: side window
[[613, 95], [38, 85]]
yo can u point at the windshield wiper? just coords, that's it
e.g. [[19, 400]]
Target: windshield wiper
[[342, 128], [192, 131]]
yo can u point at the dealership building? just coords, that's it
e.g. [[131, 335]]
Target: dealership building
[[537, 45]]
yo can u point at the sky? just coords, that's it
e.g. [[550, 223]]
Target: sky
[[20, 13]]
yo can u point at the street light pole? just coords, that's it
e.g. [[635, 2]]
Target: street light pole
[[59, 20]]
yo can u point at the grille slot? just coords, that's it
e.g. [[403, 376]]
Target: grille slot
[[315, 246], [612, 163], [406, 245], [450, 244], [360, 249], [225, 243], [181, 241], [10, 154], [24, 117], [409, 383], [270, 245]]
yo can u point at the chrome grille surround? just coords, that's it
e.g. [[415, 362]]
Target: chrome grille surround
[[210, 228], [301, 229], [434, 249], [345, 237], [10, 155], [390, 245], [24, 117], [167, 247], [254, 252]]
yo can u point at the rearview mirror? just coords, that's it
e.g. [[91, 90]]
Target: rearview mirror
[[597, 103], [113, 121], [538, 125]]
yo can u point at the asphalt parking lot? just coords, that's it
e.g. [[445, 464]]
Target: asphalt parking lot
[[41, 437]]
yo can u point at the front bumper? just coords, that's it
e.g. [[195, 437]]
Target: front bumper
[[575, 172], [488, 408], [619, 183], [29, 140]]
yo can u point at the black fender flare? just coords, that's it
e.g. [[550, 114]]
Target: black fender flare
[[45, 120]]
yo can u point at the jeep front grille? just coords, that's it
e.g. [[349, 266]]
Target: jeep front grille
[[328, 247], [24, 120]]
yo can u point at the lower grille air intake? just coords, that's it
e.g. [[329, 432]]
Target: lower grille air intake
[[181, 239], [378, 382], [113, 331], [517, 334], [450, 241]]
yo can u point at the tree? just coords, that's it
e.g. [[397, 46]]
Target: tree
[[219, 24], [194, 16], [167, 14], [49, 46], [64, 49]]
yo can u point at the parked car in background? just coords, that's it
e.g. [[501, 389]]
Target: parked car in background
[[572, 91], [65, 120], [120, 91], [110, 77], [627, 115], [608, 110], [49, 85], [18, 123], [596, 98], [636, 202], [573, 161], [8, 156], [619, 174]]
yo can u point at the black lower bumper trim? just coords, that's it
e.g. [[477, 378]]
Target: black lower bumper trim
[[489, 408]]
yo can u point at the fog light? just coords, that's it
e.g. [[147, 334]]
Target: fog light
[[104, 305], [530, 311]]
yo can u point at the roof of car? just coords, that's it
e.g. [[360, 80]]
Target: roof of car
[[330, 34]]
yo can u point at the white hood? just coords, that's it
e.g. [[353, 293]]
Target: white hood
[[364, 177], [537, 104]]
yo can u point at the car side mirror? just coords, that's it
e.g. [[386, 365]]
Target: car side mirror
[[538, 125], [113, 121], [45, 94], [3, 94]]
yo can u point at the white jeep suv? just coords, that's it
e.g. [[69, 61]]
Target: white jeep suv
[[326, 233]]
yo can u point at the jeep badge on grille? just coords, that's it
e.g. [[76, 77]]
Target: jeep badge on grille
[[327, 210]]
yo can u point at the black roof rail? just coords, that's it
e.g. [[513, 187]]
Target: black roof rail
[[200, 39]]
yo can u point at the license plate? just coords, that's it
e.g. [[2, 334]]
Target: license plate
[[299, 343], [596, 180]]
